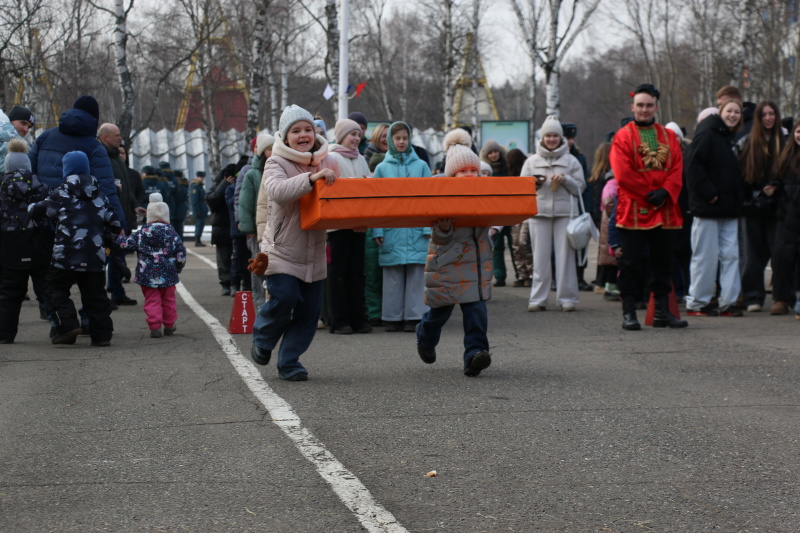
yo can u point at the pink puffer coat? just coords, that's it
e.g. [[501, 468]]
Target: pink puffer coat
[[291, 249]]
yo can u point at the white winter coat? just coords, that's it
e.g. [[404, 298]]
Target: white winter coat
[[563, 201], [291, 249]]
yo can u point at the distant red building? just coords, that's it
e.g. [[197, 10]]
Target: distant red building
[[229, 107]]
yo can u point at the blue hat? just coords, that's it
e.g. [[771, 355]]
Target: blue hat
[[75, 163]]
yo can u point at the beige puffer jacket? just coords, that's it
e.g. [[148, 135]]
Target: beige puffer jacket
[[291, 249], [562, 201]]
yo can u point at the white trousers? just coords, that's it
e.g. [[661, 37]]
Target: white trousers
[[403, 293], [715, 242], [546, 232]]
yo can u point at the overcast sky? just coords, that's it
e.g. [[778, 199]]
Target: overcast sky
[[503, 52]]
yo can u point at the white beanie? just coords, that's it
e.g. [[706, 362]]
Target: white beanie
[[676, 129], [552, 125], [291, 114], [157, 210], [264, 141], [457, 145], [707, 112]]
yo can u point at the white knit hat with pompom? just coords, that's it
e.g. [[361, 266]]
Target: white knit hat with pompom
[[157, 210], [457, 145]]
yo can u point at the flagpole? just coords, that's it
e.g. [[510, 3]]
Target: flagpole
[[344, 63]]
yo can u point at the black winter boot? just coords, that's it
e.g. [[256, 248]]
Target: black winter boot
[[663, 318], [629, 320]]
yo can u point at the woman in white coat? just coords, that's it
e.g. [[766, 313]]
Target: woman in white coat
[[559, 182]]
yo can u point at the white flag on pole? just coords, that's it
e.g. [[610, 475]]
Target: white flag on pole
[[328, 94]]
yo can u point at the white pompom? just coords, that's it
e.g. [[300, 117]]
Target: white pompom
[[457, 136]]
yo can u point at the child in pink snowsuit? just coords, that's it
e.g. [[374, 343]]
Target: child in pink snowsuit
[[161, 258]]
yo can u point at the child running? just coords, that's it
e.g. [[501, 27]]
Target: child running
[[458, 271], [161, 258]]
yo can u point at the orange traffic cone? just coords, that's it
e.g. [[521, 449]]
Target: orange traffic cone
[[243, 314], [672, 302]]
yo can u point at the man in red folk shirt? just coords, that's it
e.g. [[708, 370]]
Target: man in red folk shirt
[[648, 166]]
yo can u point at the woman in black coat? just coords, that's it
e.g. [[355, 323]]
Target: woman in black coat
[[716, 196], [787, 241], [221, 225]]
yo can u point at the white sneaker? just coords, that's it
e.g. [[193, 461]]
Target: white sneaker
[[568, 308], [535, 308], [753, 308]]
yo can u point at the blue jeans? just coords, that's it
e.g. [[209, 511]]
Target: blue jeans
[[476, 322], [291, 312]]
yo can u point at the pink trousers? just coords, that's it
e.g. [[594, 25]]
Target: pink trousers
[[159, 306]]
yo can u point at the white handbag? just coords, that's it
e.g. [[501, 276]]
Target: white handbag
[[581, 230]]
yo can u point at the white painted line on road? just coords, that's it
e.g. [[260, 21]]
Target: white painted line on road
[[203, 258], [372, 515]]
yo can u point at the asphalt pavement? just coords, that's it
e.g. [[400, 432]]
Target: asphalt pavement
[[577, 426]]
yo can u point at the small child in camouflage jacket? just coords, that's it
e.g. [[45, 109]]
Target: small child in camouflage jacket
[[83, 216]]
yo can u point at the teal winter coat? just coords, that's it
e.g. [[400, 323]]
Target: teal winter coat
[[402, 246]]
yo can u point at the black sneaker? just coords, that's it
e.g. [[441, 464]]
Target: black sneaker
[[260, 356], [101, 343], [394, 326], [67, 337], [730, 310], [155, 333], [428, 355], [169, 331], [123, 300], [707, 310], [300, 376], [479, 361]]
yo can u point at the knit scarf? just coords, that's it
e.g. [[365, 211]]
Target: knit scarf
[[349, 153]]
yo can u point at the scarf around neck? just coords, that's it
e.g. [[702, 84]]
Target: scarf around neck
[[349, 153]]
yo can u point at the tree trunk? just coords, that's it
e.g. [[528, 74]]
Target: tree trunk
[[285, 75], [551, 70], [273, 83], [333, 52], [125, 121], [448, 64], [741, 56], [257, 68], [532, 107]]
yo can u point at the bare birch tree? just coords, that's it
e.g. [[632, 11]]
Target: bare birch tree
[[257, 62], [549, 48], [120, 15]]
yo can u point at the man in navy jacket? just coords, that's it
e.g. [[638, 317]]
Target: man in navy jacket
[[77, 130]]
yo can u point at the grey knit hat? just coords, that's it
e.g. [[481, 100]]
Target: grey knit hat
[[290, 115], [17, 158]]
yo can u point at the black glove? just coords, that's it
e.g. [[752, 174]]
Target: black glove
[[657, 197]]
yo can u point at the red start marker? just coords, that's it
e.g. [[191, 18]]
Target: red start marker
[[672, 303], [242, 315]]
